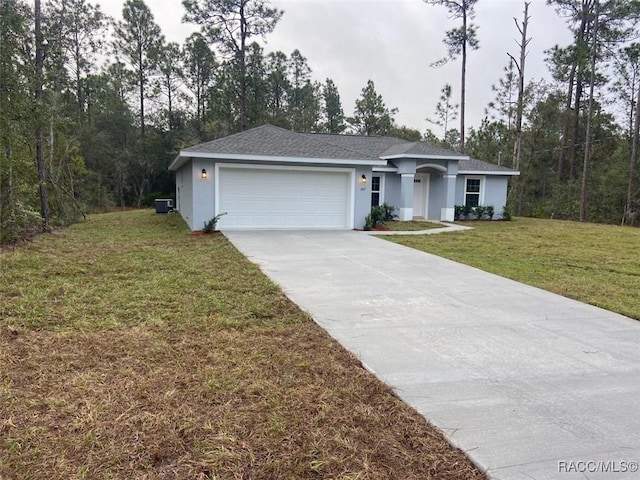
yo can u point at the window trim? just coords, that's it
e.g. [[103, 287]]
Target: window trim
[[381, 191], [479, 193]]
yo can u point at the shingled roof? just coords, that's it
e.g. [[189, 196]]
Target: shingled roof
[[474, 165], [269, 141]]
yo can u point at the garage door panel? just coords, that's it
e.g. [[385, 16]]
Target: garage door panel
[[264, 198]]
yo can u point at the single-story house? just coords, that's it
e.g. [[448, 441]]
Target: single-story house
[[272, 178]]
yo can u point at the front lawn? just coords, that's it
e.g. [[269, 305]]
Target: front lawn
[[410, 226], [131, 349], [593, 263]]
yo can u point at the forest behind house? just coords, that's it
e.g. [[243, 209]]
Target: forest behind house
[[93, 109]]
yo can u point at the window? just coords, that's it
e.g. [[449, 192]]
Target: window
[[472, 192], [376, 190]]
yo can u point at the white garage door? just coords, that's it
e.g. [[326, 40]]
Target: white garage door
[[273, 198]]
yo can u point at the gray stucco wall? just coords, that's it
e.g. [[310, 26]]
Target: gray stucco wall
[[362, 198], [203, 192], [197, 195], [184, 193], [392, 189], [436, 196], [494, 191]]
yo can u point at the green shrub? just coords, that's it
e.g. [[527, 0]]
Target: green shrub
[[375, 217], [210, 226], [457, 211], [506, 213], [490, 211], [389, 212]]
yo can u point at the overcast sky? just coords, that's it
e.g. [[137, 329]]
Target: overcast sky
[[393, 42]]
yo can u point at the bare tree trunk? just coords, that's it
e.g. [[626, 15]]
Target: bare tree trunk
[[243, 69], [631, 188], [42, 185], [579, 87], [587, 145], [523, 55], [463, 77], [565, 132], [524, 41]]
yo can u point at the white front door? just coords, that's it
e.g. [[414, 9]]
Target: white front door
[[420, 195]]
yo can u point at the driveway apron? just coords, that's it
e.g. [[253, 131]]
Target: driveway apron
[[531, 385]]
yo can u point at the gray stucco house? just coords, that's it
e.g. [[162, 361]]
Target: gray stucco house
[[272, 178]]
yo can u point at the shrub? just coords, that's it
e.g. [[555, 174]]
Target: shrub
[[466, 211], [457, 212], [389, 212], [479, 211], [375, 217], [210, 226], [506, 213], [490, 211]]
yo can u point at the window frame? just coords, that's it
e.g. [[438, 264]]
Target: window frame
[[480, 191], [380, 192]]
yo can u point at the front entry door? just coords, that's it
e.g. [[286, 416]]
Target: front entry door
[[420, 195]]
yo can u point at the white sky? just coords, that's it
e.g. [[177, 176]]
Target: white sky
[[393, 42]]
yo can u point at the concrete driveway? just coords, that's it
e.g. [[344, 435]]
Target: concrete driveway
[[530, 384]]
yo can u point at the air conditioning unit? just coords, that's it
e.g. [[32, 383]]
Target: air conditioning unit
[[164, 205]]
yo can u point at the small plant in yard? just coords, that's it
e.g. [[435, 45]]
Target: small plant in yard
[[457, 212], [506, 213], [210, 226], [479, 211], [490, 211], [389, 212], [375, 217], [466, 211]]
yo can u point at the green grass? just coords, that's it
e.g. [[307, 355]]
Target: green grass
[[131, 349], [411, 226], [593, 263]]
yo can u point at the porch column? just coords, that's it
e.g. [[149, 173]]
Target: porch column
[[447, 212], [406, 196]]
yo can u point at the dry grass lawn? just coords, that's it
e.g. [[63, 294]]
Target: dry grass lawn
[[593, 263], [130, 349]]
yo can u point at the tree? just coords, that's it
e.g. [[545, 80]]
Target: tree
[[334, 121], [457, 40], [256, 86], [445, 110], [139, 39], [627, 66], [81, 28], [229, 24], [200, 67], [278, 86], [371, 115], [171, 78], [524, 41], [42, 183], [304, 104]]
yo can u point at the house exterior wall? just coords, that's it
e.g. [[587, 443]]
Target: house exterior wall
[[496, 193], [392, 190], [184, 193], [197, 195], [493, 191], [436, 197], [203, 192], [362, 200]]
